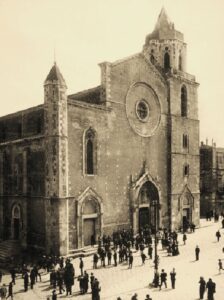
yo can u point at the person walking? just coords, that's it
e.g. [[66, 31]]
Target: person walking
[[202, 287], [197, 251], [0, 276], [223, 223], [54, 295], [86, 282], [184, 238], [143, 257], [96, 290], [218, 235], [3, 292], [32, 278], [81, 266], [95, 260], [26, 281], [10, 290], [13, 275], [150, 250], [220, 265], [109, 255], [134, 297], [115, 258], [148, 297], [211, 287], [173, 278], [163, 278], [130, 260]]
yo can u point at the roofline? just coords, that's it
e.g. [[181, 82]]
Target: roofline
[[24, 111], [88, 105], [81, 93]]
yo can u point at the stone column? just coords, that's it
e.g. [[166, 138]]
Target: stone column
[[135, 219]]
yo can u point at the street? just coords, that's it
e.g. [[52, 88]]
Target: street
[[124, 282]]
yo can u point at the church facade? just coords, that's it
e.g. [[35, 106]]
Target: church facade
[[124, 154]]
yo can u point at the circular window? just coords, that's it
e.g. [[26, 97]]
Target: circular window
[[142, 110]]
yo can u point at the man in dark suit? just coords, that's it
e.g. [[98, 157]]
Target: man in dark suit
[[211, 289], [202, 286], [163, 278], [197, 251], [173, 278]]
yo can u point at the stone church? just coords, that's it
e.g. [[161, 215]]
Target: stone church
[[121, 155]]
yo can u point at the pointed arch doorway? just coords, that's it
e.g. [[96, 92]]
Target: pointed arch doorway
[[148, 201], [89, 217], [16, 222]]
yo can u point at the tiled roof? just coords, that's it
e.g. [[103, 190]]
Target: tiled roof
[[90, 96]]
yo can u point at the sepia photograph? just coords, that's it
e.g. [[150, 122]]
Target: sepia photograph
[[112, 149]]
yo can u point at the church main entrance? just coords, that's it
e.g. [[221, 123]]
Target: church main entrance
[[148, 201], [144, 220]]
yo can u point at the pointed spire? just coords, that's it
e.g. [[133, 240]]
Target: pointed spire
[[163, 19], [55, 75], [164, 29]]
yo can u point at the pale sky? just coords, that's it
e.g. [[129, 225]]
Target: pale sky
[[87, 32]]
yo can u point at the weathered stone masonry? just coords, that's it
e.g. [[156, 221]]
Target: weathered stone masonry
[[96, 161]]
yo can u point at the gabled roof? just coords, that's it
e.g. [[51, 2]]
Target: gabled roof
[[90, 96]]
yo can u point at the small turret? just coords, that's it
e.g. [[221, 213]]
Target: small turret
[[56, 165]]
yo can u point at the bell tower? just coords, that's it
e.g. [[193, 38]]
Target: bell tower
[[166, 50], [56, 165], [165, 45]]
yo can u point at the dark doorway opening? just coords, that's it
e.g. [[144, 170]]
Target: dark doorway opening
[[144, 218], [16, 228], [89, 231], [186, 218]]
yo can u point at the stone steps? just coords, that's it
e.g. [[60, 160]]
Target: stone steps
[[83, 252], [8, 249]]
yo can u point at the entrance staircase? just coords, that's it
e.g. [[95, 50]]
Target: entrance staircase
[[9, 249], [82, 252]]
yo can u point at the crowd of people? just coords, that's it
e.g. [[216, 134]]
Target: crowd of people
[[111, 251]]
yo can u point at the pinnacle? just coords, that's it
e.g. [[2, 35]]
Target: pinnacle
[[55, 75], [163, 19]]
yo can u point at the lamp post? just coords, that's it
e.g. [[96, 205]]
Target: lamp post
[[156, 206]]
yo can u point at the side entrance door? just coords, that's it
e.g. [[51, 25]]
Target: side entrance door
[[89, 230]]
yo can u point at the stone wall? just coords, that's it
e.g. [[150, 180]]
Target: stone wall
[[121, 152]]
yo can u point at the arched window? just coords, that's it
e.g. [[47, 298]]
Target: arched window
[[180, 62], [183, 101], [166, 61], [152, 59], [185, 141], [90, 152], [186, 170]]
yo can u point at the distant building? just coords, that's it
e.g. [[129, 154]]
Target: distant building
[[99, 160], [211, 178]]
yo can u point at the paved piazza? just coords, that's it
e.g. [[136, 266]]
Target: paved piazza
[[124, 282]]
